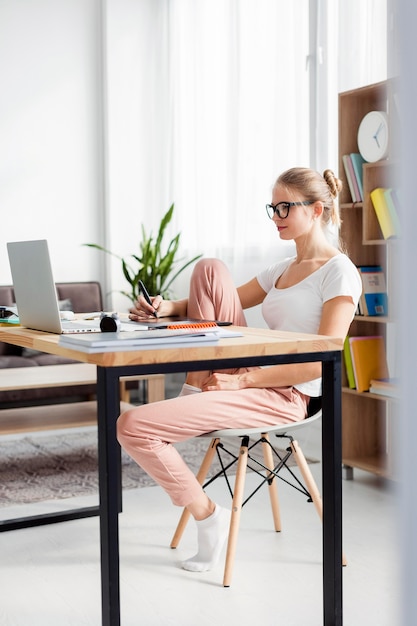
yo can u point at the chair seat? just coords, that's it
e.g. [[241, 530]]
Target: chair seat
[[277, 428]]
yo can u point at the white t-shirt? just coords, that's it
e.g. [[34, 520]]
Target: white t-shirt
[[299, 308]]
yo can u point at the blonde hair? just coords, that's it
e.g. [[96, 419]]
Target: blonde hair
[[315, 187]]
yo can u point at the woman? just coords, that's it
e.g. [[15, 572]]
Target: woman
[[316, 291]]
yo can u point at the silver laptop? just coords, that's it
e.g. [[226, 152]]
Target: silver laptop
[[35, 292]]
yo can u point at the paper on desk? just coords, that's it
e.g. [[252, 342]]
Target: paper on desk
[[142, 340]]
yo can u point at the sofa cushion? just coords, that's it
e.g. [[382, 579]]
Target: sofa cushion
[[50, 359], [85, 297], [65, 305], [6, 295], [7, 361], [82, 296]]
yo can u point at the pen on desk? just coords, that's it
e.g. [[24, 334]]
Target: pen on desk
[[146, 296]]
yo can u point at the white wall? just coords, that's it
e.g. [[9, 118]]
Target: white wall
[[50, 157]]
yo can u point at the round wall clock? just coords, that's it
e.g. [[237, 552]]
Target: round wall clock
[[373, 136]]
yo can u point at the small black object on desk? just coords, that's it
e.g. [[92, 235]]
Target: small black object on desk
[[109, 323]]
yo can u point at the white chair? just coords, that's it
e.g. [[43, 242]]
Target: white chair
[[275, 462]]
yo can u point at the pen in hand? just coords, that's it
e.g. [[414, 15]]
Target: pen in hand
[[146, 296]]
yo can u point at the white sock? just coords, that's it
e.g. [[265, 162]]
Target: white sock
[[187, 390], [212, 534]]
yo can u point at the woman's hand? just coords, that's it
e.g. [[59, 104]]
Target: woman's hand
[[141, 310], [223, 382]]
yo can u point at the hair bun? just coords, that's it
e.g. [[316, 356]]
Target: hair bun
[[335, 184]]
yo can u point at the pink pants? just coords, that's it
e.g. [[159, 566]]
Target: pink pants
[[148, 432]]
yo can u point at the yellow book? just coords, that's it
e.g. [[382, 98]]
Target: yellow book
[[348, 364], [368, 359], [383, 213]]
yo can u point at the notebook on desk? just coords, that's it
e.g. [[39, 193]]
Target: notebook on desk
[[35, 292], [159, 323]]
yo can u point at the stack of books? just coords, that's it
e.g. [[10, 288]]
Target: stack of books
[[175, 337], [353, 163]]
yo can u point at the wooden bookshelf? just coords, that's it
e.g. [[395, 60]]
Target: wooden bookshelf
[[366, 418]]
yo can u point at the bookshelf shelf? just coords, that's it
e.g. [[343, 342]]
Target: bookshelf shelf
[[351, 205], [374, 242], [368, 395], [366, 428], [372, 318]]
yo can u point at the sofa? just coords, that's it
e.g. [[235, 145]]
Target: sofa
[[80, 297]]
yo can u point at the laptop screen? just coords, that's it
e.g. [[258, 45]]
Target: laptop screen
[[34, 285]]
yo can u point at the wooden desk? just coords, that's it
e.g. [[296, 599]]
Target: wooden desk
[[255, 347]]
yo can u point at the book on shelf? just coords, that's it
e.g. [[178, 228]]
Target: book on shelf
[[385, 387], [348, 364], [383, 213], [374, 299], [369, 360], [391, 199], [395, 195], [350, 177], [357, 163]]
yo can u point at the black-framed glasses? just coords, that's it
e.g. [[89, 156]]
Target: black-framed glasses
[[283, 208]]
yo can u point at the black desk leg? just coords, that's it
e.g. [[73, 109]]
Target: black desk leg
[[110, 493], [332, 492]]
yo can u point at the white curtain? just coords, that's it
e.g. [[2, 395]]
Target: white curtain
[[222, 99], [209, 100], [240, 102]]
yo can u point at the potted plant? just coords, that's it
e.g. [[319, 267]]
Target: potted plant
[[156, 268]]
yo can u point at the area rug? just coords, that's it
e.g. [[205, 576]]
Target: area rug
[[49, 467]]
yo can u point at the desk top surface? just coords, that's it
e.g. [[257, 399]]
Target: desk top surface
[[253, 342]]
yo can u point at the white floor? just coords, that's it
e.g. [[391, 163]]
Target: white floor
[[51, 575]]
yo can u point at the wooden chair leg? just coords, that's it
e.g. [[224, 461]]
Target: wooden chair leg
[[236, 511], [201, 477], [272, 485], [310, 483], [308, 477]]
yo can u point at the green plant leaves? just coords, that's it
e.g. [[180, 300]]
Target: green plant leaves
[[153, 265]]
